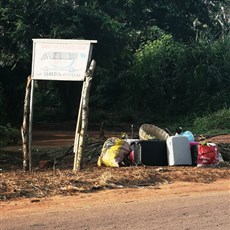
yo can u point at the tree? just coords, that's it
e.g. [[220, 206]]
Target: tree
[[124, 29]]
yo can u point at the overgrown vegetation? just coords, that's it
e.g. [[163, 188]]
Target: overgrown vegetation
[[218, 122], [8, 135]]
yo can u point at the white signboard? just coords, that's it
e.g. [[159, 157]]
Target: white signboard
[[61, 59]]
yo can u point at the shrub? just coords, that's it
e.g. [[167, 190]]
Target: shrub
[[218, 122], [8, 135], [3, 114]]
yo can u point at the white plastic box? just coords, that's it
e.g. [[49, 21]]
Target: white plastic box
[[178, 151]]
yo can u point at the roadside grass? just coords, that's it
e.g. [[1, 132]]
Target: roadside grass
[[211, 123], [214, 123]]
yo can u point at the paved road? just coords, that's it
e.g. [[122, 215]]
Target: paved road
[[181, 212]]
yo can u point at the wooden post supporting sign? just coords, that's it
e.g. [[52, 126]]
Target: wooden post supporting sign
[[82, 122]]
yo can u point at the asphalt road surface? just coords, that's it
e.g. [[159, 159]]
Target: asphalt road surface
[[180, 211]]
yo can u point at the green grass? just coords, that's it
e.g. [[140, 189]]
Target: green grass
[[214, 123]]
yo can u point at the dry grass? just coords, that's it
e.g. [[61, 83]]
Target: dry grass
[[65, 182], [15, 183]]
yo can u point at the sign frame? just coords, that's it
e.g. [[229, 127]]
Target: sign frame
[[67, 54], [61, 59]]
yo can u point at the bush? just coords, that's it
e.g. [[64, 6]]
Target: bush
[[218, 122], [3, 114], [8, 135], [174, 78], [159, 66]]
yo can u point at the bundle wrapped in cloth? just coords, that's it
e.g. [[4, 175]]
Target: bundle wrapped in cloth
[[113, 152]]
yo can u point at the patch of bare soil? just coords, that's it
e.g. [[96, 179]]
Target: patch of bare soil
[[225, 138], [61, 181]]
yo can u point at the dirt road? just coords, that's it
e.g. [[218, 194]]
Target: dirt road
[[59, 138], [179, 205]]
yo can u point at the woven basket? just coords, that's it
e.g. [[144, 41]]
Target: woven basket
[[150, 132]]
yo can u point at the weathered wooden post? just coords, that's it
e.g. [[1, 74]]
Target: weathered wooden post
[[78, 129], [30, 125], [83, 120], [24, 128]]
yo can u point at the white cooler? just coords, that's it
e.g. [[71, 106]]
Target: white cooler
[[178, 151]]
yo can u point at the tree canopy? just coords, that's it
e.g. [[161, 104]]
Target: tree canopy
[[163, 57]]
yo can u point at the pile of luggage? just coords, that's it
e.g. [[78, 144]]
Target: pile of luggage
[[155, 147]]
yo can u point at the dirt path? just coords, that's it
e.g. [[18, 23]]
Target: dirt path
[[53, 138], [22, 205], [179, 205], [60, 138]]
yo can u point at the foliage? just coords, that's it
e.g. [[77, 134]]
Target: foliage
[[158, 58], [214, 122], [177, 78], [2, 106], [157, 67], [209, 68], [48, 104], [8, 135]]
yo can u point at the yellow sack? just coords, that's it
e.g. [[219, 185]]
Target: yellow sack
[[113, 152]]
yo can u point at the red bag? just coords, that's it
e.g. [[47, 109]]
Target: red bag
[[207, 155]]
